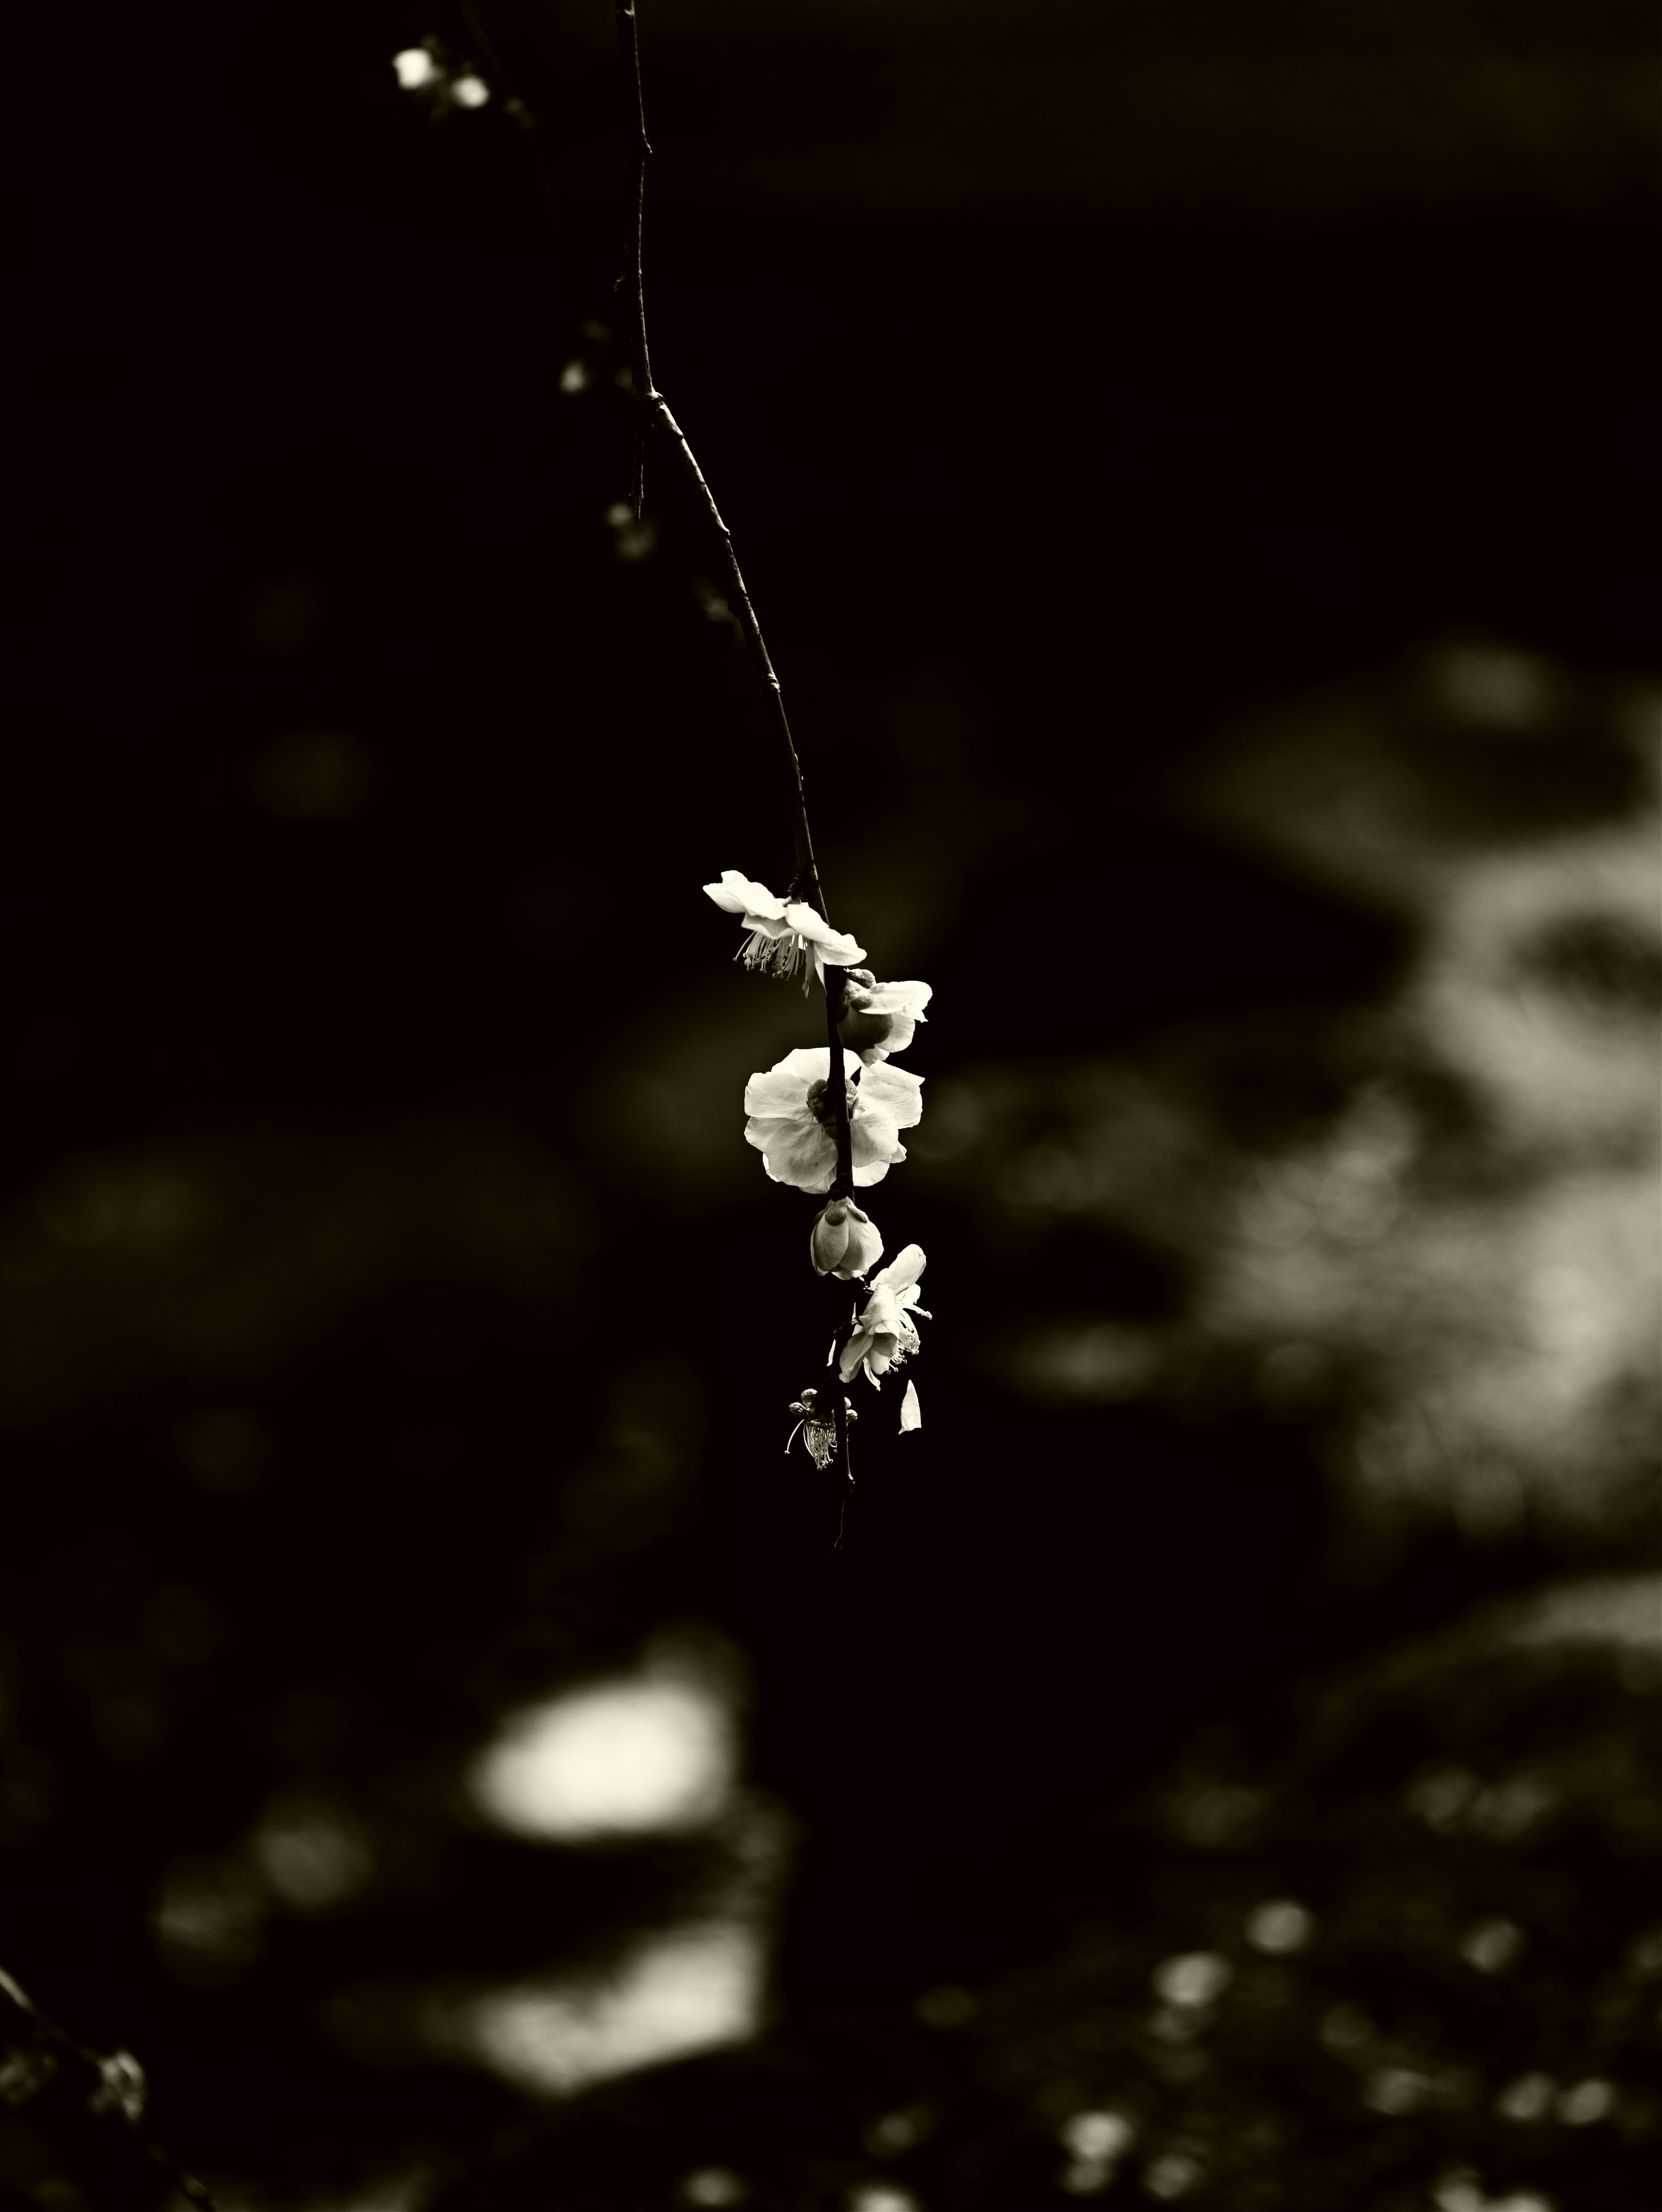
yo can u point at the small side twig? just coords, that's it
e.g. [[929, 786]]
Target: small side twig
[[35, 2053]]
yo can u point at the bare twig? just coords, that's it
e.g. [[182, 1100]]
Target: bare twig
[[655, 412], [37, 2052], [805, 883], [634, 273]]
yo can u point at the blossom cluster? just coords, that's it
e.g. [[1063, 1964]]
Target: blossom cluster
[[792, 1116]]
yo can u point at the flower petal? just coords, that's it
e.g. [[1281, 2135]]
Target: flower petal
[[872, 1134], [784, 1088], [768, 1132], [848, 949], [811, 1062], [909, 999], [874, 1171], [899, 1094], [853, 1352], [824, 942], [796, 1152], [817, 931], [865, 1245], [808, 1163], [774, 1094], [902, 1272], [911, 1413], [737, 894]]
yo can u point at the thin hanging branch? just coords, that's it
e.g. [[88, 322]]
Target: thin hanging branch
[[656, 413], [634, 275]]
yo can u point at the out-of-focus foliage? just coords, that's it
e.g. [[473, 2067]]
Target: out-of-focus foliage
[[1416, 1961], [1454, 1272]]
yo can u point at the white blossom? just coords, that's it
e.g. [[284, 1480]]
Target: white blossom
[[780, 930], [885, 1333], [792, 1120]]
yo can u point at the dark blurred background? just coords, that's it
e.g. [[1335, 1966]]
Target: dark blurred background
[[1190, 465]]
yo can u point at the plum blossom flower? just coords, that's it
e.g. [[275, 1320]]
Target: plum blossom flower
[[878, 1019], [845, 1242], [885, 1333], [780, 930], [792, 1120]]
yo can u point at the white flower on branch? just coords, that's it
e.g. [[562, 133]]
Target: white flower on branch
[[878, 1019], [792, 1118], [885, 1335], [845, 1242], [780, 930]]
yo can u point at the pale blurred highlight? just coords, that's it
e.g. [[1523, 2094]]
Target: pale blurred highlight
[[648, 1754]]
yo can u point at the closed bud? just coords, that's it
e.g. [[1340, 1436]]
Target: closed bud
[[845, 1242], [875, 1019], [830, 1240], [859, 1028]]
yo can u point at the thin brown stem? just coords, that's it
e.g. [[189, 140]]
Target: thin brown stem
[[836, 983], [836, 980], [633, 279], [805, 882]]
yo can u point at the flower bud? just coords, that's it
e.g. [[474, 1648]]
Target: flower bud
[[858, 1029], [844, 1242], [863, 1032], [875, 1019], [830, 1239]]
